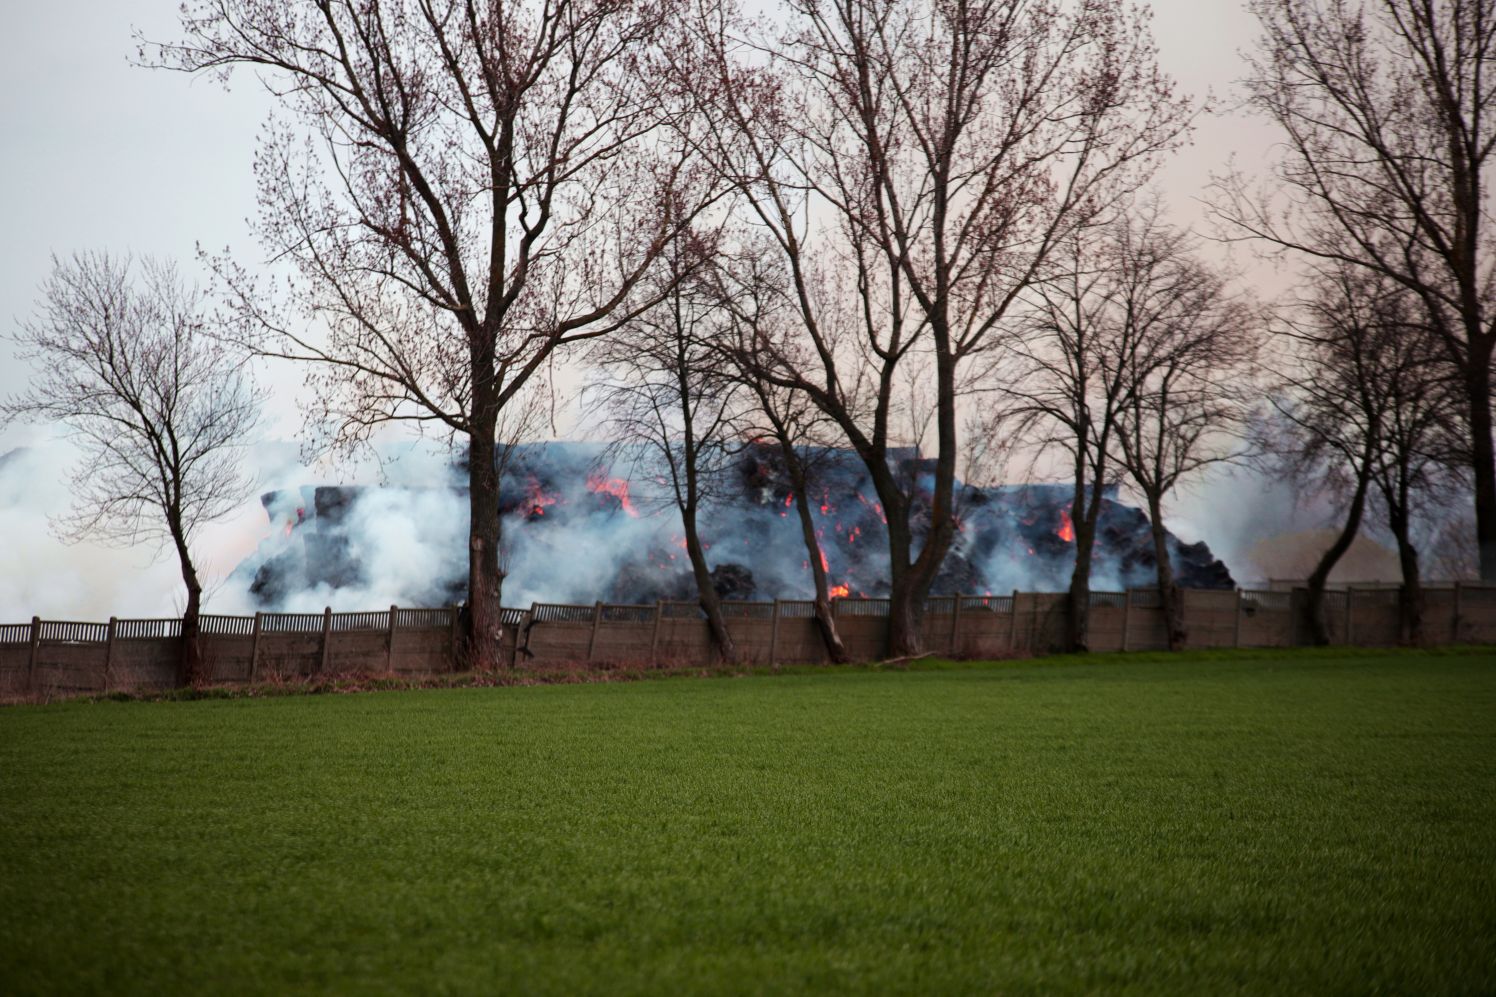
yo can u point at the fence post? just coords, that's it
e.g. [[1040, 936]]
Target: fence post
[[955, 624], [453, 623], [389, 650], [254, 650], [109, 652], [1013, 625], [1236, 621], [1454, 630], [326, 639], [774, 637], [36, 639], [654, 635], [1126, 614]]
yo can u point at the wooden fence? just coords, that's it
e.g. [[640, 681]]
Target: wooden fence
[[67, 657]]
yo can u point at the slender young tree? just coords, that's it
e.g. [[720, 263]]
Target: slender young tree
[[1192, 379], [1388, 119], [121, 354], [922, 159], [1366, 400], [665, 396], [460, 188]]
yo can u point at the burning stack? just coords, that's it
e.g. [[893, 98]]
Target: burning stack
[[578, 527]]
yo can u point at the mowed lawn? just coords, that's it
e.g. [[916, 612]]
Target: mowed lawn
[[1303, 823]]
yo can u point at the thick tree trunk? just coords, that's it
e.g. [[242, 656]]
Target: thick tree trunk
[[825, 618], [1085, 511], [484, 615], [1410, 598], [908, 589], [1078, 604], [1319, 630], [1483, 456], [1168, 594], [190, 671], [706, 592]]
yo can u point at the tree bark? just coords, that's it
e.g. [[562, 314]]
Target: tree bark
[[1168, 594], [190, 671], [1410, 597], [1482, 454], [825, 618], [706, 592], [1319, 631], [484, 616]]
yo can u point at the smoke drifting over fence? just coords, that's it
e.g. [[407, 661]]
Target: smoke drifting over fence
[[584, 522]]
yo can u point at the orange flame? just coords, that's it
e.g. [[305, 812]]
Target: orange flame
[[840, 591], [1066, 532], [616, 487]]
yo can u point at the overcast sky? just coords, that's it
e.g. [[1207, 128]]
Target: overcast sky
[[100, 154]]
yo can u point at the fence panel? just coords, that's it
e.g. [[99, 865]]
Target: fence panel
[[291, 623], [149, 629], [227, 626], [69, 632], [15, 633]]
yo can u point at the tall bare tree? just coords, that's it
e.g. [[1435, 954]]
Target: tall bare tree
[[1388, 114], [923, 160], [121, 355], [1193, 384], [1367, 400], [1067, 382], [460, 188], [665, 396]]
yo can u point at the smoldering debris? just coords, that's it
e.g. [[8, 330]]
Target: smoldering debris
[[579, 526]]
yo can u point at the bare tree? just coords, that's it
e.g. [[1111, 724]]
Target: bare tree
[[1366, 400], [665, 396], [1389, 124], [921, 160], [1192, 383], [756, 304], [1068, 381], [121, 355], [460, 189]]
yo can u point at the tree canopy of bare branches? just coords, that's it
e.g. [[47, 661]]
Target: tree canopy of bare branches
[[1367, 400], [1133, 366], [663, 393], [459, 190], [915, 164], [159, 408], [1388, 114]]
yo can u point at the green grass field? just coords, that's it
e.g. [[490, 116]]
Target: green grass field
[[1303, 823]]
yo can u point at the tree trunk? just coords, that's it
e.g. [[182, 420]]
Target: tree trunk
[[1483, 455], [907, 591], [1410, 598], [1319, 631], [1078, 615], [706, 592], [190, 671], [484, 616], [1168, 594], [192, 648], [825, 618]]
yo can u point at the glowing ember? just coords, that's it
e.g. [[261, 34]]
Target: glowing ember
[[1066, 532], [537, 499], [616, 487], [840, 591]]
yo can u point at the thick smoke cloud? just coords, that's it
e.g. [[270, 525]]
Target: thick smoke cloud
[[583, 523]]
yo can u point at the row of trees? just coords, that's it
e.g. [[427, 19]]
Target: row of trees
[[866, 223]]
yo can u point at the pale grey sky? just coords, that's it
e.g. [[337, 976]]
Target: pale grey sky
[[100, 154]]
